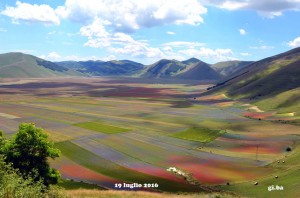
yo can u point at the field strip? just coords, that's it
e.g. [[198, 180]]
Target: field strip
[[168, 143], [109, 153], [136, 102], [125, 159], [96, 163], [131, 119], [51, 115], [72, 170], [64, 109], [5, 115], [23, 81], [9, 126], [140, 150], [59, 128]]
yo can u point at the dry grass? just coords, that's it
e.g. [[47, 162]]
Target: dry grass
[[82, 193]]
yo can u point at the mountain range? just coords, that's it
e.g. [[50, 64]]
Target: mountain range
[[272, 83], [23, 65], [13, 65], [241, 79]]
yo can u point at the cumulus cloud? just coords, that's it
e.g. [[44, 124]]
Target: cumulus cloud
[[242, 31], [51, 56], [118, 43], [207, 53], [266, 8], [294, 43], [32, 13], [127, 16], [168, 49]]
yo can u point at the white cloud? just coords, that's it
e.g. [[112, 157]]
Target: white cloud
[[138, 49], [96, 29], [233, 5], [242, 31], [265, 8], [168, 49], [52, 32], [86, 58], [294, 43], [184, 44], [53, 56], [3, 30], [117, 43], [32, 13], [207, 53], [130, 15], [245, 54], [262, 47], [171, 33]]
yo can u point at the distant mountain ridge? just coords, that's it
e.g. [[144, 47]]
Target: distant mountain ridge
[[104, 68], [23, 65], [192, 69]]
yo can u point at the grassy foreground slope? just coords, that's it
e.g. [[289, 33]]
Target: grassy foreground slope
[[226, 68], [286, 103], [128, 194], [272, 84], [288, 174]]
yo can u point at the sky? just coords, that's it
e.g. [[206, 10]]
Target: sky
[[149, 30]]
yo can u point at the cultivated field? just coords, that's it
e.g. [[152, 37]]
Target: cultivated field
[[132, 130]]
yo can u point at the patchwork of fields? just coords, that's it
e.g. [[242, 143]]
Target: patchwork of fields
[[114, 131]]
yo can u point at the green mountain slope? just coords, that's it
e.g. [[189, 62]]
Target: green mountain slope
[[22, 65], [271, 84], [163, 69], [102, 68], [199, 71], [264, 78], [191, 69], [285, 102], [229, 67]]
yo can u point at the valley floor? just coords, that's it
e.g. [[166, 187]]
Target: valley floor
[[114, 132]]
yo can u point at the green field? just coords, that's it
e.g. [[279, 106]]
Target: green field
[[200, 134], [103, 128]]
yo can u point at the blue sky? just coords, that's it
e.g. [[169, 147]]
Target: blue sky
[[149, 30]]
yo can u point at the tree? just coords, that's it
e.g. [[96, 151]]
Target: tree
[[1, 140], [29, 150], [12, 184]]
